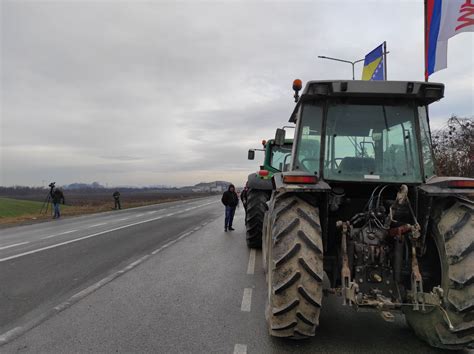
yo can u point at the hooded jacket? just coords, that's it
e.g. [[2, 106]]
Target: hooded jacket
[[230, 198]]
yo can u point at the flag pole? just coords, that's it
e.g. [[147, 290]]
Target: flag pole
[[426, 39], [385, 60]]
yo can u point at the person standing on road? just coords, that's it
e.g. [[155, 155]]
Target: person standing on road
[[116, 196], [244, 199], [230, 199], [57, 197]]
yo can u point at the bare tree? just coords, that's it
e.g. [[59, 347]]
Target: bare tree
[[453, 147]]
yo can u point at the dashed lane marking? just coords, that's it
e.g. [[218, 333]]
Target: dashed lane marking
[[251, 266], [123, 219], [246, 300], [61, 233], [13, 245], [95, 225], [240, 349]]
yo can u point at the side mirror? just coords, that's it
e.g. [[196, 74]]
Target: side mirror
[[280, 137], [251, 155]]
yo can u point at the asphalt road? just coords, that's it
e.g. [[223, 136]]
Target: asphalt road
[[201, 292], [43, 264]]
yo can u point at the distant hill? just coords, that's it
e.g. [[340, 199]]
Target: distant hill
[[93, 185]]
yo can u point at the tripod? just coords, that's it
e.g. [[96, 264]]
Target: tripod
[[47, 203]]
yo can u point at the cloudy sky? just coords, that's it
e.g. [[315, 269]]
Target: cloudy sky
[[145, 93]]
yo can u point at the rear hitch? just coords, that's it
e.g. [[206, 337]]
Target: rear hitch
[[416, 282], [348, 288]]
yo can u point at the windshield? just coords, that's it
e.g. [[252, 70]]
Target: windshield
[[281, 157], [371, 142]]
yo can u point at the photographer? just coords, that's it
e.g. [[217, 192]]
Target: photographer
[[57, 197], [116, 196]]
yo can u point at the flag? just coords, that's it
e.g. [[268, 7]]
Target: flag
[[444, 19], [374, 66]]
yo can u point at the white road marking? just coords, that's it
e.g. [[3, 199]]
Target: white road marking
[[95, 225], [251, 266], [14, 245], [138, 215], [85, 237], [62, 233], [152, 212], [122, 219], [240, 349], [246, 300]]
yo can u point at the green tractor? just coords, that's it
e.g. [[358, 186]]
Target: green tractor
[[362, 209], [259, 184]]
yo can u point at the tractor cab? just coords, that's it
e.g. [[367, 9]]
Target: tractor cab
[[365, 131], [277, 157]]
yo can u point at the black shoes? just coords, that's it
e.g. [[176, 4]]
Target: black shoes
[[225, 229], [231, 228]]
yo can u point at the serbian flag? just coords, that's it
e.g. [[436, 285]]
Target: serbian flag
[[374, 65], [444, 19]]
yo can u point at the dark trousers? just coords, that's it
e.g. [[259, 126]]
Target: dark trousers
[[229, 216], [117, 204]]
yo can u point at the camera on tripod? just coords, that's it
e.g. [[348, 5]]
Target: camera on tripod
[[52, 185]]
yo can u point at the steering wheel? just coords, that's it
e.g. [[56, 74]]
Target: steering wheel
[[308, 159], [328, 162]]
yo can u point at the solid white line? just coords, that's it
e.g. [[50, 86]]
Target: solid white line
[[62, 233], [246, 300], [251, 266], [84, 237], [15, 244], [240, 349]]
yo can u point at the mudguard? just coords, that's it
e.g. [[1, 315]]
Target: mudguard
[[278, 183], [440, 186], [257, 182]]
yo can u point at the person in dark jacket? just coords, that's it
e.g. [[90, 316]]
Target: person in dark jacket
[[244, 199], [116, 196], [230, 199], [57, 197]]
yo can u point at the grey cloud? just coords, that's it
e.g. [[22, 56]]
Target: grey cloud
[[176, 92]]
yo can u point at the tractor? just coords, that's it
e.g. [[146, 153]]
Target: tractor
[[361, 214], [259, 184]]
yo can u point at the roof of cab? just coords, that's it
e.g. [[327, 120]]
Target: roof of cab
[[425, 92]]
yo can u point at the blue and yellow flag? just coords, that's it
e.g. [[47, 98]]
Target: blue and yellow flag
[[374, 65]]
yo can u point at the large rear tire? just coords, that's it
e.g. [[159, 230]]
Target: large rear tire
[[256, 208], [295, 267], [453, 232]]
